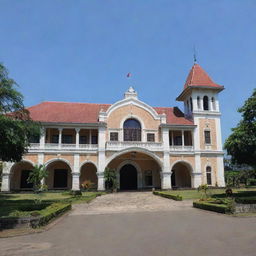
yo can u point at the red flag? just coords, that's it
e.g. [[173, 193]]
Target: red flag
[[129, 75]]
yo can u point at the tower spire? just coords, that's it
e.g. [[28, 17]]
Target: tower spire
[[194, 55]]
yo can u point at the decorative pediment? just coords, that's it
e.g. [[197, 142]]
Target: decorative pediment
[[131, 98]]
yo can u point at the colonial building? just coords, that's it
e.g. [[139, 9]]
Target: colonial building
[[160, 147]]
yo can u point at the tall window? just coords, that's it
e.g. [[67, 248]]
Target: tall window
[[148, 178], [206, 103], [67, 139], [132, 130], [191, 104], [198, 103], [209, 175], [213, 104], [207, 137]]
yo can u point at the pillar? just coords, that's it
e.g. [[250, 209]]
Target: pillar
[[77, 137], [60, 137], [42, 138], [101, 156], [166, 171], [182, 138], [220, 171], [76, 173], [6, 176]]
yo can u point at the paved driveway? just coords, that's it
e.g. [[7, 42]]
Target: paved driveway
[[127, 224]]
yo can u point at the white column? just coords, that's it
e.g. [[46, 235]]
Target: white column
[[218, 133], [6, 176], [42, 137], [182, 137], [5, 182], [77, 137], [90, 136], [210, 104], [60, 137], [202, 102], [196, 175], [101, 157], [40, 161], [172, 139], [166, 171], [220, 171], [76, 173]]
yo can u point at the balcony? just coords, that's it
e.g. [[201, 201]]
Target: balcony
[[177, 148], [64, 147], [120, 145]]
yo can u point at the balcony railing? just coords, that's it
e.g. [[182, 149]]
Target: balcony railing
[[120, 145], [56, 146], [181, 148]]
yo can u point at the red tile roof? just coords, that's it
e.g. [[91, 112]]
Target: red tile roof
[[68, 112], [198, 77]]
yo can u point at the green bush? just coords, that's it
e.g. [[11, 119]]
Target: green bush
[[252, 182], [215, 207], [245, 200], [51, 212], [75, 193], [167, 195]]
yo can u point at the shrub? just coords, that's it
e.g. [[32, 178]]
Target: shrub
[[75, 193], [220, 208], [167, 195], [51, 212], [229, 192]]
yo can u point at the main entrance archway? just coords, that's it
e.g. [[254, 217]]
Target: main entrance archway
[[136, 170], [128, 177]]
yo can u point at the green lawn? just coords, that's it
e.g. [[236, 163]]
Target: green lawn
[[194, 194], [10, 203]]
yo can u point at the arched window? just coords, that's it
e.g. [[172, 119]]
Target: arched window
[[209, 175], [191, 104], [132, 130], [206, 103], [213, 104], [198, 103]]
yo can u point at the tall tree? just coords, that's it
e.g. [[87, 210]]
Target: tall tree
[[241, 144], [16, 126]]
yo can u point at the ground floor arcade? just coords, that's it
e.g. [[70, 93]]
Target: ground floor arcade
[[136, 170]]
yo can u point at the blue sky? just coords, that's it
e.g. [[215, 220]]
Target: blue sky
[[81, 51]]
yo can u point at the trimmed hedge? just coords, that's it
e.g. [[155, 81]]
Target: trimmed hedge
[[168, 195], [49, 213], [220, 208], [245, 200]]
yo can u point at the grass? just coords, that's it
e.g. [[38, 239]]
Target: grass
[[191, 194], [10, 203]]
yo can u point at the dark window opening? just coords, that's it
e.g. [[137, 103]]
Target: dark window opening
[[207, 137], [178, 140], [151, 137], [24, 179], [82, 140], [67, 139], [206, 103], [94, 139], [55, 139], [60, 178], [114, 136], [209, 175]]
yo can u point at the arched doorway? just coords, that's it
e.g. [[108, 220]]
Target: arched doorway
[[59, 175], [128, 177], [19, 175], [181, 176], [88, 176]]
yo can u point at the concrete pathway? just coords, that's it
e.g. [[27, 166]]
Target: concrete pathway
[[138, 224], [129, 202]]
